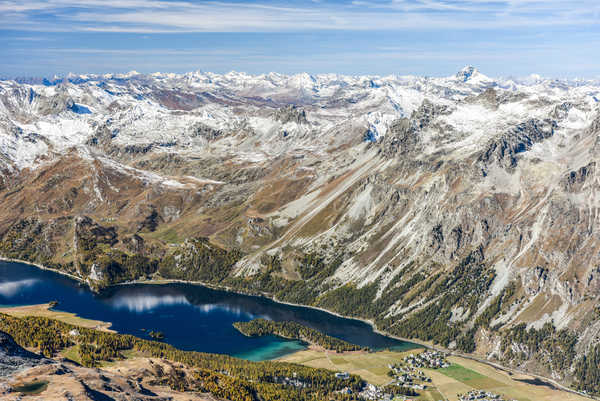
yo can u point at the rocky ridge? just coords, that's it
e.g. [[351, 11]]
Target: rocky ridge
[[66, 380], [14, 358]]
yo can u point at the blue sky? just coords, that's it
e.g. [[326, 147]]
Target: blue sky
[[554, 38]]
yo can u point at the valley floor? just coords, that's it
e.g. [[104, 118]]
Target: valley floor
[[463, 375]]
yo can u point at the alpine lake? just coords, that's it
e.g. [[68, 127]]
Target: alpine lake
[[191, 317]]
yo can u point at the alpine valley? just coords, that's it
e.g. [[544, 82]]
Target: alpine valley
[[461, 211]]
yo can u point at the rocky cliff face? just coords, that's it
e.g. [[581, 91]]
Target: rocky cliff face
[[450, 209]]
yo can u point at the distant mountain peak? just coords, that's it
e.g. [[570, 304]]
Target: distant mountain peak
[[466, 73], [471, 75]]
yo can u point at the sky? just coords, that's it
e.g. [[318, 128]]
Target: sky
[[502, 38]]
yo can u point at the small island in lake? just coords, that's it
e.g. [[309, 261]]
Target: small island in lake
[[157, 335], [294, 331]]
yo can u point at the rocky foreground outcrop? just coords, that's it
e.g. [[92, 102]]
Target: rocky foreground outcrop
[[65, 380], [14, 358]]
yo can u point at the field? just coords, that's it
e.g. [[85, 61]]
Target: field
[[373, 367], [72, 353], [469, 377], [370, 366], [462, 375], [45, 311], [465, 374]]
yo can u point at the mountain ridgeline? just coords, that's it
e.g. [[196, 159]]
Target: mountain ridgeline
[[460, 210]]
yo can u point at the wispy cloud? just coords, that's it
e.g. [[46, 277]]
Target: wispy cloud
[[552, 37], [184, 16], [130, 52], [30, 39]]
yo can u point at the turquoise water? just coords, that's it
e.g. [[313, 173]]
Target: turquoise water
[[192, 317], [273, 350]]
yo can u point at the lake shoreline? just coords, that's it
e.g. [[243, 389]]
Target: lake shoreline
[[220, 288], [39, 266], [418, 343]]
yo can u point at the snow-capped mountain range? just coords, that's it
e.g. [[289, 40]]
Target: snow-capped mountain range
[[407, 179], [161, 110]]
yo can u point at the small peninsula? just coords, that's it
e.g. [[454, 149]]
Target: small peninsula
[[294, 331]]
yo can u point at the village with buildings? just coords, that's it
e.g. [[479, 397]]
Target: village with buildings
[[427, 359], [481, 395], [407, 374], [372, 392]]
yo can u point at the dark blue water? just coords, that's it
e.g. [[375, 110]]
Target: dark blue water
[[192, 317]]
